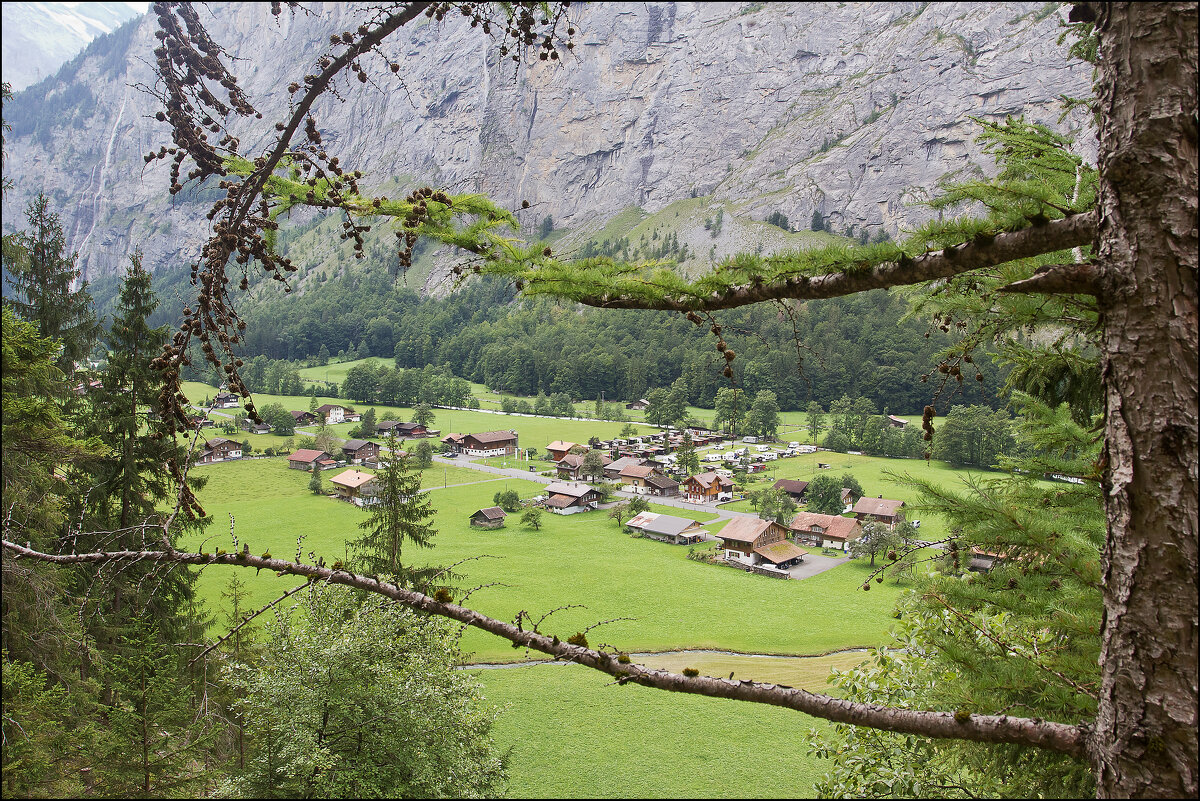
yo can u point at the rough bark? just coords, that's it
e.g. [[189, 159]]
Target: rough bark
[[1144, 741]]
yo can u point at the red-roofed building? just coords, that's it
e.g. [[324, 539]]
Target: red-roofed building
[[752, 541], [708, 487], [305, 458], [825, 531], [880, 510]]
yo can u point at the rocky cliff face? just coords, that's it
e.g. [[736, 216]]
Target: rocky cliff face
[[852, 111]]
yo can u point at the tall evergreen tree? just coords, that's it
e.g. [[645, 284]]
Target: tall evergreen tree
[[401, 516], [42, 277]]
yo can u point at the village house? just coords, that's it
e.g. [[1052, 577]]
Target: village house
[[305, 458], [796, 489], [847, 500], [558, 449], [667, 528], [355, 486], [219, 449], [569, 466], [708, 487], [752, 541], [879, 510], [358, 451], [638, 405], [983, 561], [612, 470], [256, 428], [226, 400], [400, 429], [825, 531], [491, 517], [896, 422], [303, 418], [634, 478], [567, 499], [487, 443], [658, 484], [332, 413]]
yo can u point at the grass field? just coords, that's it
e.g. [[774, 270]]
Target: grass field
[[575, 734]]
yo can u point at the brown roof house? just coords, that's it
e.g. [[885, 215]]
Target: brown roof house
[[749, 540], [896, 422], [400, 428], [226, 400], [667, 528], [638, 405], [332, 412], [708, 487], [219, 449], [879, 510], [796, 489], [635, 477], [491, 517], [569, 466], [358, 451], [567, 499], [613, 469], [825, 531], [490, 443], [558, 449], [355, 486], [657, 484], [303, 418], [305, 458]]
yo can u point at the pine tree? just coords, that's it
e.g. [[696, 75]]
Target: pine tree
[[686, 456], [41, 279], [400, 516], [314, 483]]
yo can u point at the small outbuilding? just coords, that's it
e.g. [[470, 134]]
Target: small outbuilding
[[491, 517]]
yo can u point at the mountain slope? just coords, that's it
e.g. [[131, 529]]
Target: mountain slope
[[847, 112], [40, 37]]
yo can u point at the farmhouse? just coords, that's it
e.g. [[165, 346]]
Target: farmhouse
[[567, 499], [752, 541], [569, 466], [218, 449], [305, 458], [657, 484], [332, 413], [358, 451], [796, 489], [896, 422], [226, 400], [400, 429], [491, 517], [708, 487], [880, 510], [634, 478], [826, 531], [638, 405], [303, 418], [355, 486], [256, 428], [558, 449], [613, 469], [667, 528], [488, 443]]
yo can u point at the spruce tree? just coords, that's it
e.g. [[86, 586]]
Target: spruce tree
[[400, 516], [42, 278]]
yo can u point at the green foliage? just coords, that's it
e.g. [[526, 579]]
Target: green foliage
[[362, 701], [508, 500], [638, 505], [280, 419], [974, 435], [423, 415], [777, 505], [532, 517], [824, 495], [401, 515], [423, 455], [315, 486], [876, 540]]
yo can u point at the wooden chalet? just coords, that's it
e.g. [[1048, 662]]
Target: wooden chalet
[[487, 443], [400, 429], [658, 484], [667, 528], [708, 486], [304, 418], [796, 489], [879, 510], [567, 499], [613, 469], [558, 449], [638, 405], [218, 449], [305, 458], [825, 531], [355, 486], [896, 422], [491, 517], [358, 451], [226, 400], [752, 541], [570, 466], [256, 428]]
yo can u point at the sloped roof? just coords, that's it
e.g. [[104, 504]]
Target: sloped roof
[[559, 445], [357, 444], [637, 471], [351, 479], [561, 501], [491, 513], [661, 482], [307, 455], [877, 506], [488, 437], [570, 490], [744, 528], [671, 525], [778, 552], [791, 486], [835, 526], [298, 414], [641, 519], [326, 407], [706, 479], [617, 465]]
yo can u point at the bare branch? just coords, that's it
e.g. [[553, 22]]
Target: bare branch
[[245, 620], [1071, 279], [1061, 737]]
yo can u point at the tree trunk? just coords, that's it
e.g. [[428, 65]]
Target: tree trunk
[[1145, 742]]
